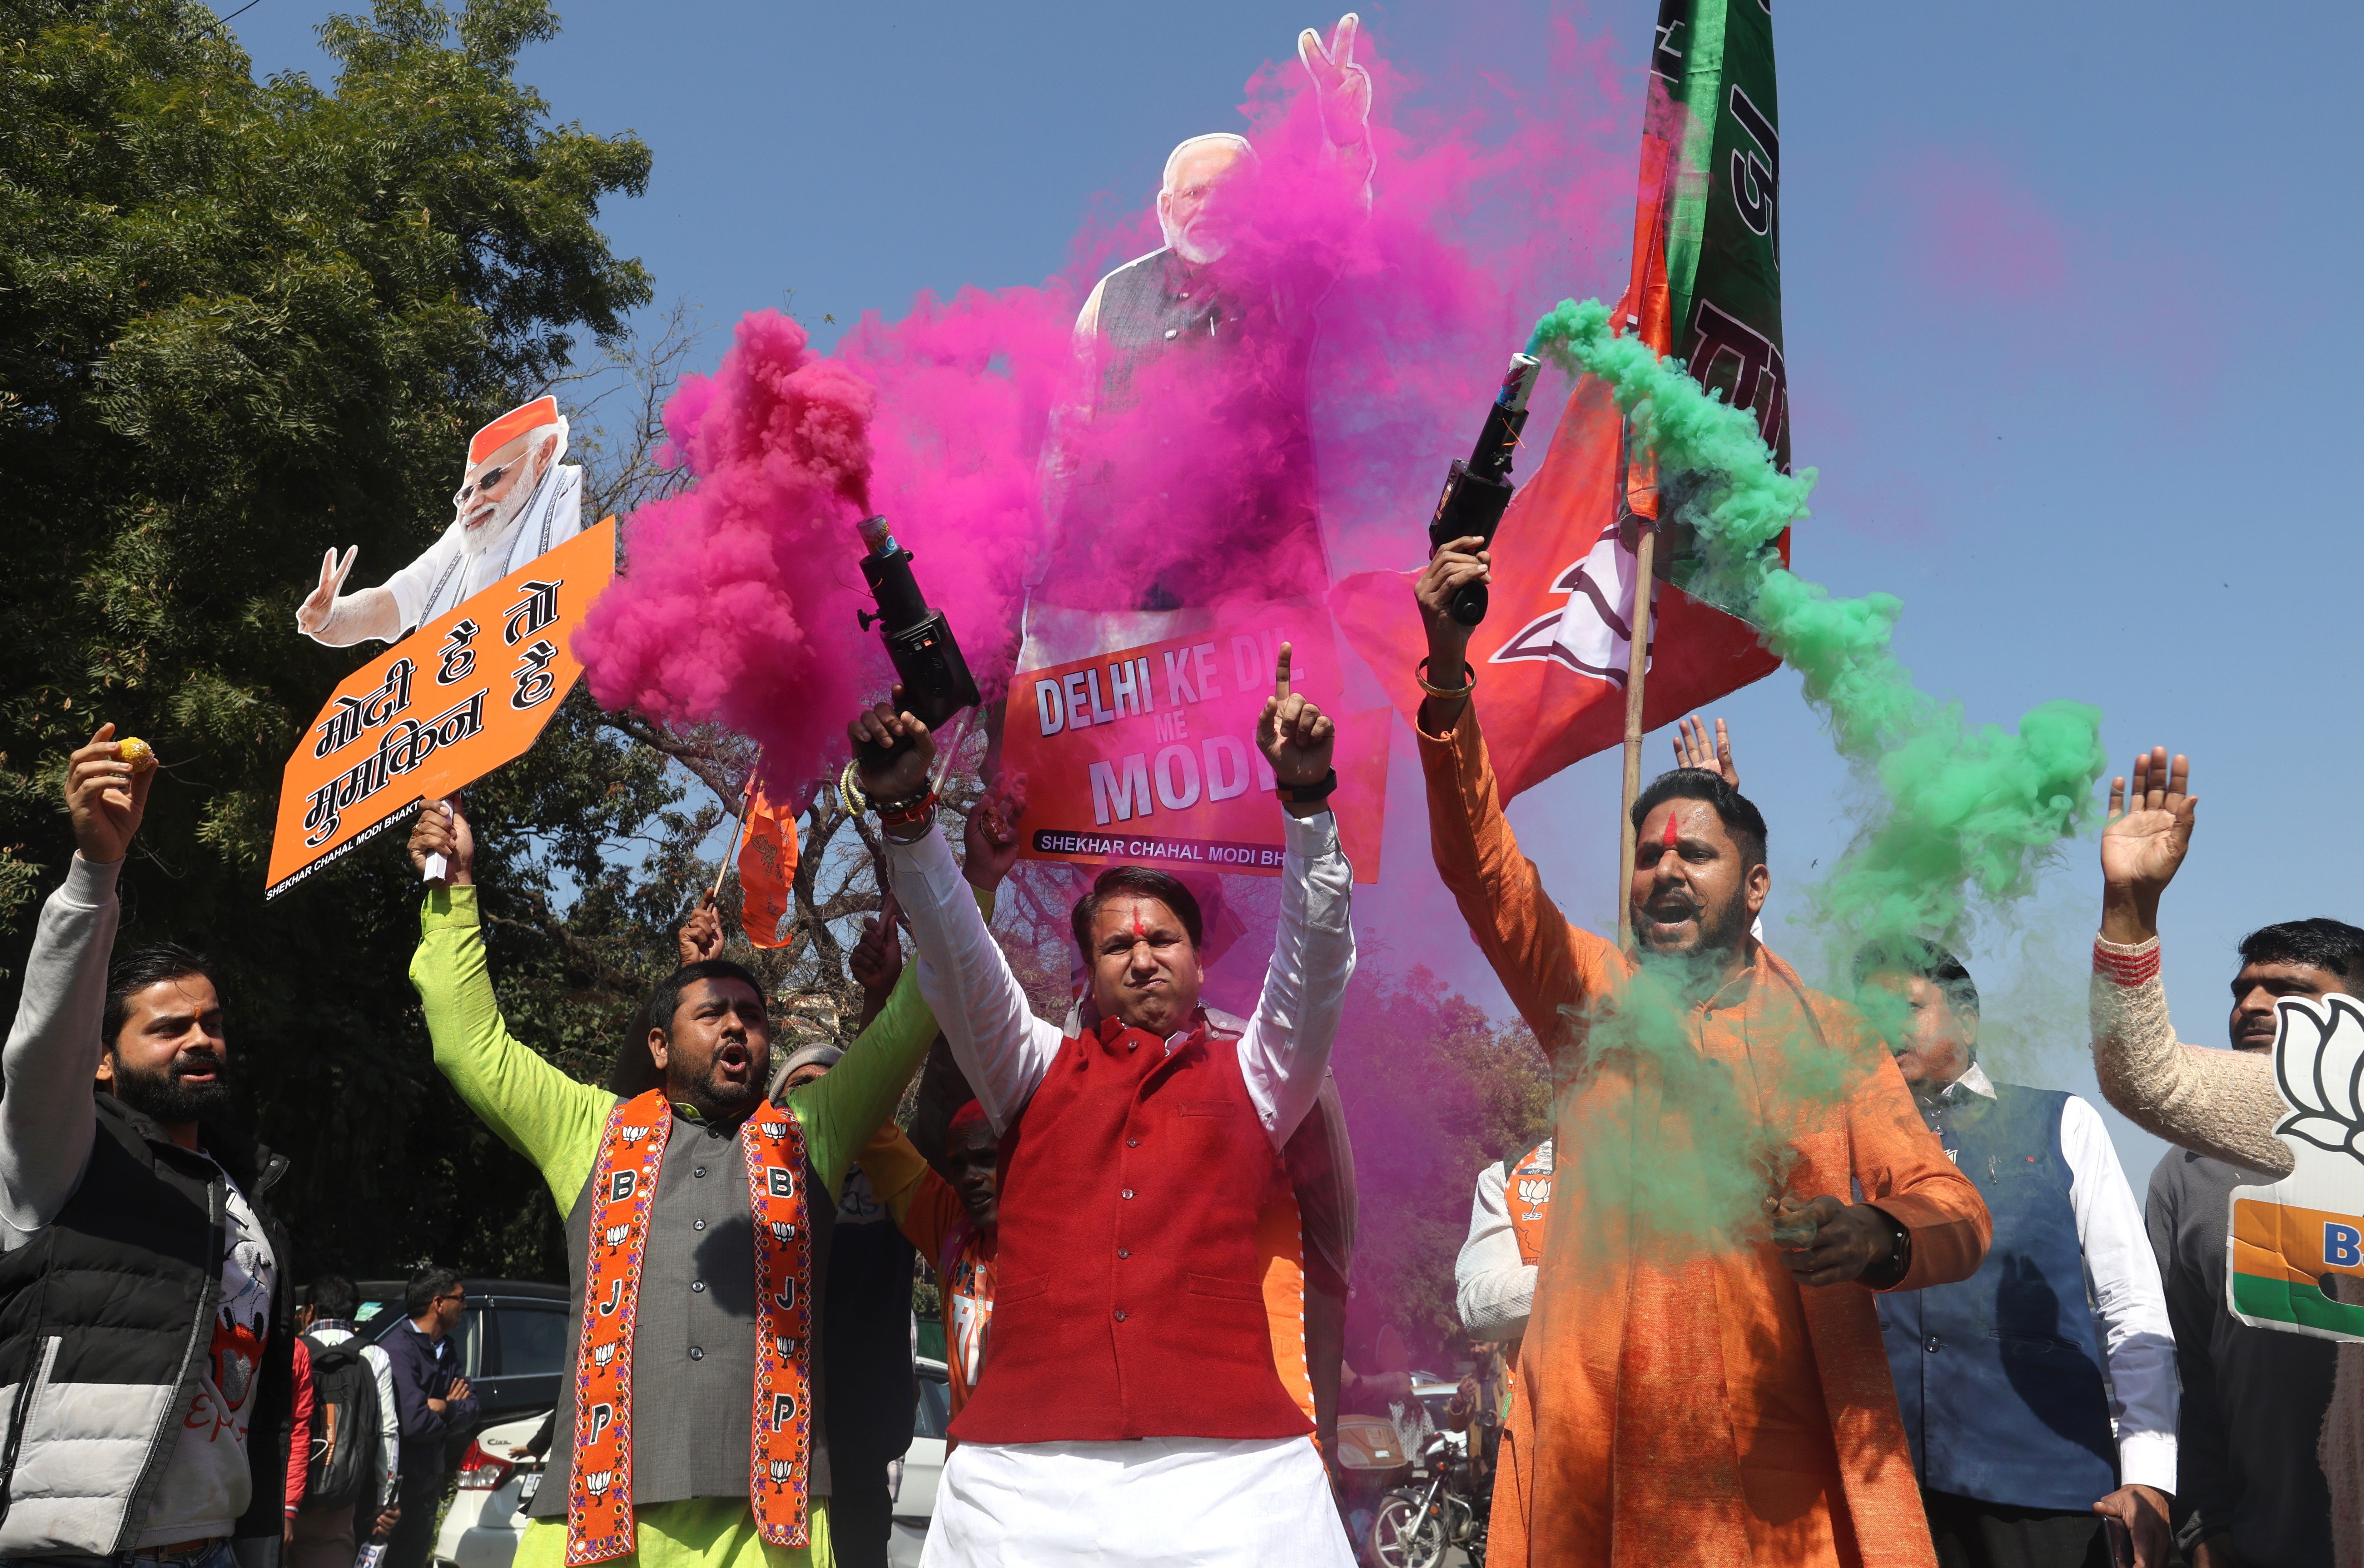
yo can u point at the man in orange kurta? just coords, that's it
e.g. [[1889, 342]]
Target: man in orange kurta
[[1689, 1392]]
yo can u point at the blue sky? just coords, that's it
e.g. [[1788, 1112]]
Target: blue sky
[[2065, 327]]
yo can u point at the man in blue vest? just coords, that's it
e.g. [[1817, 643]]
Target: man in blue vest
[[2002, 1376]]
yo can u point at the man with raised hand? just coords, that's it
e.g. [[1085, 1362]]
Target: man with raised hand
[[146, 1318], [2268, 1468], [698, 1220], [1690, 1391], [1130, 1411]]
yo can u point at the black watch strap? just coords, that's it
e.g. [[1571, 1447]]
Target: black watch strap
[[1305, 795]]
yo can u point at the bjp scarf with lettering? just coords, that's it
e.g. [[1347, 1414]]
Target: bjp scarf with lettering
[[599, 1524]]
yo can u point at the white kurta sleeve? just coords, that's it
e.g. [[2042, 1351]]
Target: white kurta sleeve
[[1495, 1291], [1287, 1046], [412, 584], [2138, 1341], [966, 982]]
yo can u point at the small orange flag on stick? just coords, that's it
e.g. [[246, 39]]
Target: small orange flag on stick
[[767, 864]]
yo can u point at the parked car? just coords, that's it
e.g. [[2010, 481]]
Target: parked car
[[499, 1472], [514, 1343], [497, 1476], [923, 1464]]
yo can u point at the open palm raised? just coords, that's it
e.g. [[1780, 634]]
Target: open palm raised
[[2149, 828]]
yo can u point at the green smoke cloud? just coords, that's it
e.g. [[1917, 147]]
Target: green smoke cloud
[[1964, 811], [1962, 816]]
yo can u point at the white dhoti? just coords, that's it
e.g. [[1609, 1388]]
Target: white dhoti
[[1148, 1503]]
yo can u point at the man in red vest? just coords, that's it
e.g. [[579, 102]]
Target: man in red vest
[[1130, 1412]]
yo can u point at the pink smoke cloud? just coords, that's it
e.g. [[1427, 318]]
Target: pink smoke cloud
[[1349, 360], [737, 604]]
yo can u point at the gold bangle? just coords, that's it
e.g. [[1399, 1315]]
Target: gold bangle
[[850, 792], [1467, 674]]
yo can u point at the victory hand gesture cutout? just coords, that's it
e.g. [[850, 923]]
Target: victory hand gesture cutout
[[1342, 87], [2149, 833], [1295, 737], [313, 615], [106, 797]]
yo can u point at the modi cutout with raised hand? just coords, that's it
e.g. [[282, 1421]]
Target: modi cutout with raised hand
[[515, 501], [1130, 1411]]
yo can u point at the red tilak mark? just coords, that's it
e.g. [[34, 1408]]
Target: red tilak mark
[[1667, 837], [1139, 931]]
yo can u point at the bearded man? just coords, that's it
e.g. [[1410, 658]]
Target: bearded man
[[698, 1222], [1130, 1412], [145, 1294], [515, 501], [1691, 1391]]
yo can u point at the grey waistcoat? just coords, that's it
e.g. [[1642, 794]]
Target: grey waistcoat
[[693, 1348]]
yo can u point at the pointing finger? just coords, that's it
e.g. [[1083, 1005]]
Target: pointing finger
[[1280, 678]]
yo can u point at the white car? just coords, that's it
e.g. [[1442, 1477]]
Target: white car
[[480, 1529]]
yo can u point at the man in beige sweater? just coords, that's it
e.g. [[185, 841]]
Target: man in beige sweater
[[2257, 1489]]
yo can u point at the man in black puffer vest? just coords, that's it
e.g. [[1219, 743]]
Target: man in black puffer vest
[[146, 1340]]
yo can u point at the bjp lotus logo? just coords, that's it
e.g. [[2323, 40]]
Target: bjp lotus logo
[[597, 1481], [634, 1134], [603, 1354], [783, 1229], [614, 1234], [2319, 1064], [1534, 1190], [782, 1471], [775, 1129], [2298, 1244]]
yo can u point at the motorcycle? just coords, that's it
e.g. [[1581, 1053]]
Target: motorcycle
[[1417, 1524]]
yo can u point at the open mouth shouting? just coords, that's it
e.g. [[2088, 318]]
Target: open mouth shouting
[[734, 1064], [197, 1067], [1668, 918]]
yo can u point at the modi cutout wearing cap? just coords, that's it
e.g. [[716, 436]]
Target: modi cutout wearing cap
[[515, 501]]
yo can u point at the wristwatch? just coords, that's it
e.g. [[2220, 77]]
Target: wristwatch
[[1309, 794], [1886, 1275]]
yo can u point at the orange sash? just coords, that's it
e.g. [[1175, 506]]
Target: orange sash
[[599, 1522]]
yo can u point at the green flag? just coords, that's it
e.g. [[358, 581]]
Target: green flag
[[1713, 106]]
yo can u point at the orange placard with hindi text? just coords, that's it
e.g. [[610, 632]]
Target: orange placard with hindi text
[[465, 693], [1147, 755]]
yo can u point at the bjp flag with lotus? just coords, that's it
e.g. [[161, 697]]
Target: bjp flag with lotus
[[1554, 655]]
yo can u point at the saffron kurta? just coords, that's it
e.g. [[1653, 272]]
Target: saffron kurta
[[1685, 1403]]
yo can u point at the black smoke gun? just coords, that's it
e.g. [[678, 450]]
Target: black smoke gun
[[1476, 492], [928, 663]]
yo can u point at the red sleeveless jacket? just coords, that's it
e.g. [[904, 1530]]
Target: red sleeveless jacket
[[1129, 1301]]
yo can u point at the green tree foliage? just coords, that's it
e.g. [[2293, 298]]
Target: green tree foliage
[[240, 322]]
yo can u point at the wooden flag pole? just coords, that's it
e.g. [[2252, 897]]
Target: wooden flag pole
[[1638, 670], [746, 804]]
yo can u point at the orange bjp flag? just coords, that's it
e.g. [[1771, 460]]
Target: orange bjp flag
[[767, 864]]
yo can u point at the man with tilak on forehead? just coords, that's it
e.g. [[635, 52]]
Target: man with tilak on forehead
[[1130, 1412], [1687, 1397]]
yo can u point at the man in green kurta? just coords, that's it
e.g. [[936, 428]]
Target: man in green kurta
[[690, 1292]]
